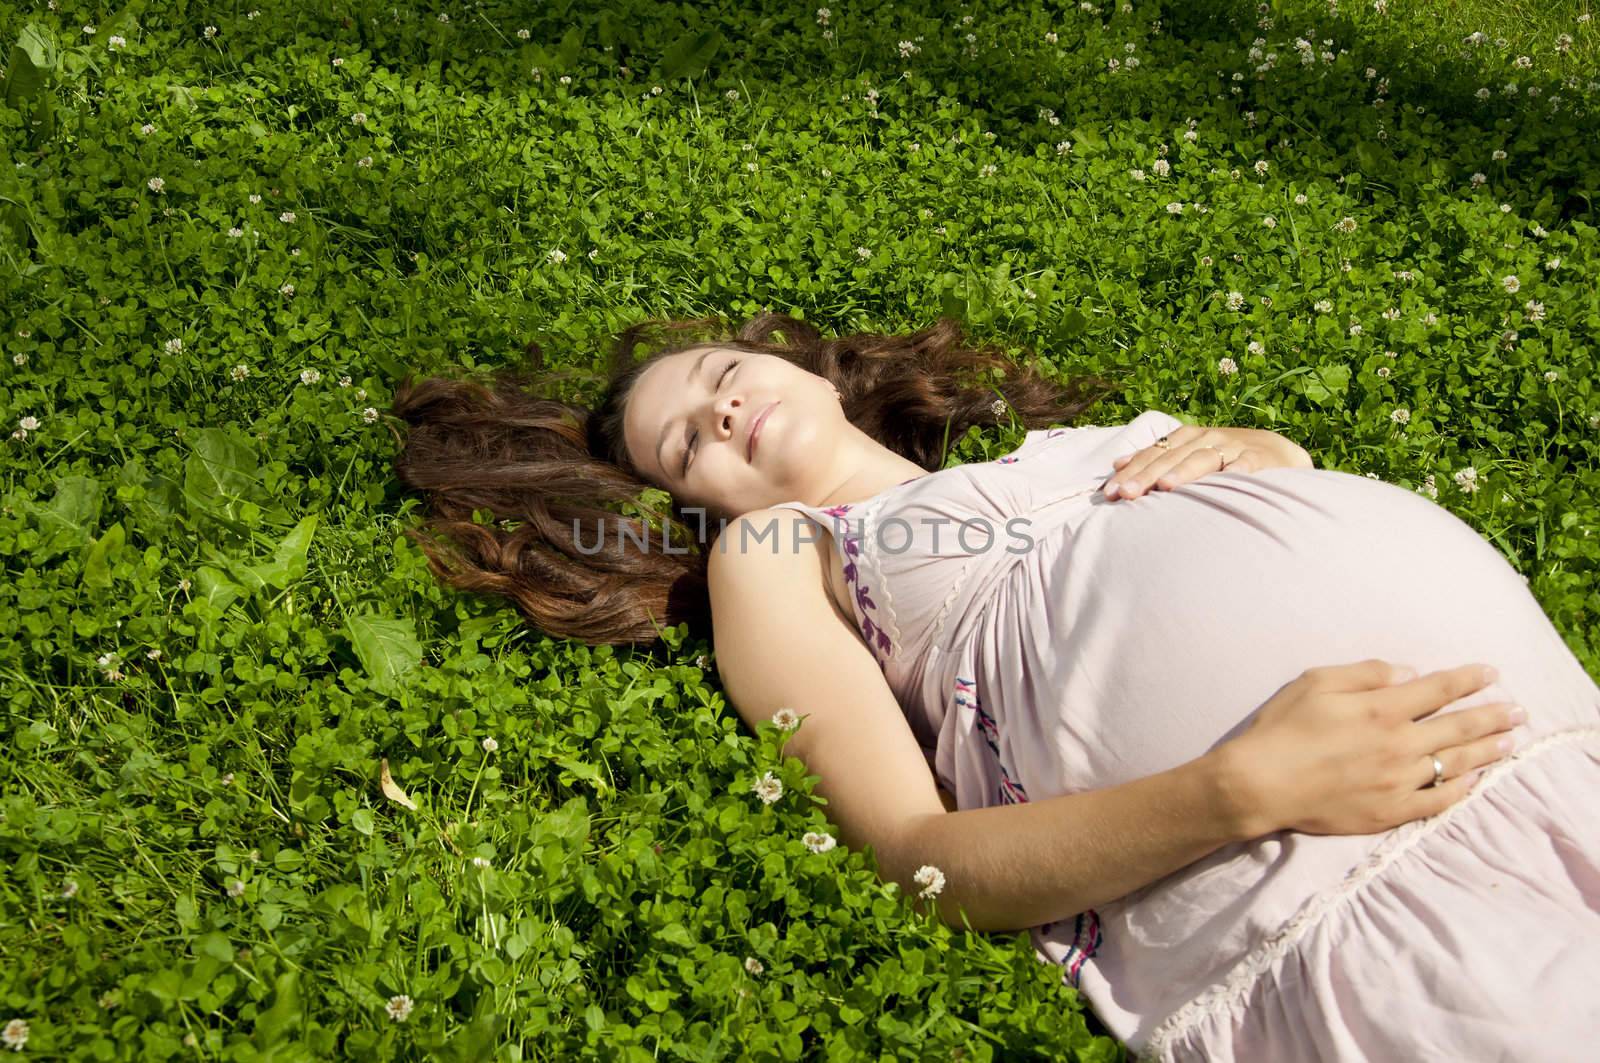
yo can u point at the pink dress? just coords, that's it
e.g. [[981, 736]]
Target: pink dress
[[1132, 636]]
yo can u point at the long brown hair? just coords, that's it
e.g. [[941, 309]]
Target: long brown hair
[[554, 474]]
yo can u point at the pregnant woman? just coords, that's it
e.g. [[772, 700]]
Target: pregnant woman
[[1166, 727]]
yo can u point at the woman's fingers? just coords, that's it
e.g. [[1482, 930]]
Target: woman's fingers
[[1166, 469], [1468, 725], [1425, 695], [1465, 759]]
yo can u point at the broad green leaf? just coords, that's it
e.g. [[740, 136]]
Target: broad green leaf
[[388, 649], [97, 566], [218, 473]]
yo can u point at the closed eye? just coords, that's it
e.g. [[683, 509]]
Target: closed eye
[[689, 450]]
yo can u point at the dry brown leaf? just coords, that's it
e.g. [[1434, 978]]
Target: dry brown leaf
[[390, 790]]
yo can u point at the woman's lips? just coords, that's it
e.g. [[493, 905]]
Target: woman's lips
[[755, 429]]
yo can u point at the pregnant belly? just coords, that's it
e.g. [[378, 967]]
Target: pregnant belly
[[1176, 615]]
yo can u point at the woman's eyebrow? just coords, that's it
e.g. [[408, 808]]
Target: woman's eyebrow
[[694, 371]]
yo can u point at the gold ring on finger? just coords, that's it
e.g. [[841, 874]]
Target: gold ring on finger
[[1438, 772]]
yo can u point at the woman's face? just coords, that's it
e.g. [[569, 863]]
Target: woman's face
[[699, 406]]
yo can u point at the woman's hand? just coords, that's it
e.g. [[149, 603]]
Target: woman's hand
[[1349, 749], [1189, 457]]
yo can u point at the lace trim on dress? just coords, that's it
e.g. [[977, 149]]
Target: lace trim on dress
[[1237, 984]]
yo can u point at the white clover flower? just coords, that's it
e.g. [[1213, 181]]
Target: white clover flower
[[239, 372], [524, 34], [338, 60], [1430, 320], [1191, 136], [236, 888], [15, 1034], [69, 890], [443, 17], [1050, 37], [286, 289], [89, 31], [1262, 167], [116, 43], [1564, 43], [254, 198], [489, 744], [1498, 155], [785, 719], [1479, 180], [1255, 347], [156, 184], [1174, 208], [731, 95], [480, 862], [1137, 175], [998, 407], [1511, 284], [1392, 314], [20, 358], [557, 255], [1482, 94], [768, 788], [287, 217], [989, 170], [174, 345], [1534, 310], [184, 584], [210, 32], [399, 1006], [1227, 366], [1346, 225], [823, 14], [1235, 300], [1554, 263], [1539, 231], [1161, 167], [364, 162], [369, 415], [1063, 147], [235, 232], [1270, 222], [310, 376], [565, 79], [1355, 329], [29, 423], [1323, 306], [1522, 62], [227, 779], [1428, 487], [753, 965], [361, 394], [1401, 415], [1300, 199], [818, 843], [1509, 337], [1383, 372], [359, 118], [931, 878], [1505, 208], [1551, 376], [862, 252], [1467, 479]]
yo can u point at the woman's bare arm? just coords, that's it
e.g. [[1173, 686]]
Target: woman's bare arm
[[1007, 867]]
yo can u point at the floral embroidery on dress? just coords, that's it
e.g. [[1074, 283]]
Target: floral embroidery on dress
[[1086, 938], [877, 638], [1009, 792]]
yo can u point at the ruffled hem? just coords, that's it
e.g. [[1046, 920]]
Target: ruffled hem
[[1471, 935]]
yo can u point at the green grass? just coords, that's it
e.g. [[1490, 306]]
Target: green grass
[[198, 860]]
